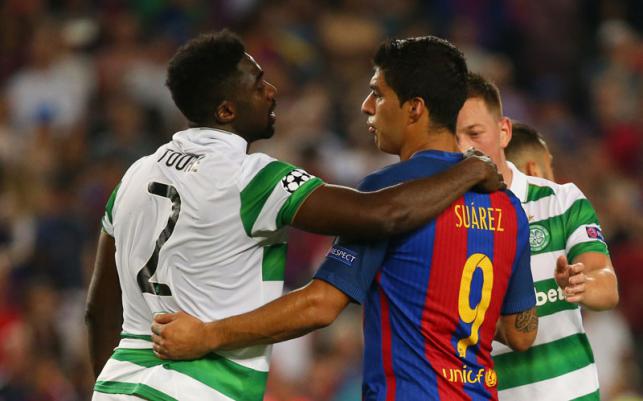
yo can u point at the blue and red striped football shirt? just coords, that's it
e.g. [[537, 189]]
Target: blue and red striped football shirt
[[432, 297]]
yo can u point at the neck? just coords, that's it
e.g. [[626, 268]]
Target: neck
[[506, 172], [441, 140]]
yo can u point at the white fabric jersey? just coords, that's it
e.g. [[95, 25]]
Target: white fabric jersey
[[198, 228], [560, 365]]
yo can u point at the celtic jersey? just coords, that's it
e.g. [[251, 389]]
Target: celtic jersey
[[198, 228], [560, 365]]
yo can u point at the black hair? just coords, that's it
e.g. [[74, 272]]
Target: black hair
[[523, 138], [480, 87], [427, 67], [201, 74]]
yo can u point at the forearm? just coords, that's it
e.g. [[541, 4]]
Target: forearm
[[334, 210], [290, 316], [103, 337], [413, 205], [104, 310], [602, 290]]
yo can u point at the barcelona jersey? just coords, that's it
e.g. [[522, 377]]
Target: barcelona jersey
[[432, 297]]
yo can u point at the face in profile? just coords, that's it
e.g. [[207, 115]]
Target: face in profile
[[483, 129], [255, 102], [386, 118]]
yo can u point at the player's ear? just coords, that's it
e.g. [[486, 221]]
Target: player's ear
[[532, 169], [226, 112], [505, 131], [417, 108]]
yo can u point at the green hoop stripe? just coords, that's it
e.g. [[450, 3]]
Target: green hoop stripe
[[535, 192], [544, 361], [137, 389], [227, 377], [257, 192]]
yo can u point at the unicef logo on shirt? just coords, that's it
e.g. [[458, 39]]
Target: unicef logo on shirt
[[538, 237], [294, 180]]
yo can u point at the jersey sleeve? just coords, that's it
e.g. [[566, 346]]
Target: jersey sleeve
[[582, 228], [273, 195], [351, 268], [520, 294], [108, 219]]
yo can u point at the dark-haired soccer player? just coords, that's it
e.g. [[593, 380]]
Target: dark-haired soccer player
[[197, 226], [528, 151], [432, 298], [569, 260]]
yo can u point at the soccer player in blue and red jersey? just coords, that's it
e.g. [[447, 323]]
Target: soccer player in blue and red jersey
[[434, 298]]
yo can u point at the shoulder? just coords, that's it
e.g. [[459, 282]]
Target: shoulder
[[563, 194]]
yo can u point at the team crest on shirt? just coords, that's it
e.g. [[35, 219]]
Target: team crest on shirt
[[294, 180], [538, 237]]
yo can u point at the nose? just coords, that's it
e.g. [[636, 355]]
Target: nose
[[271, 90], [464, 142], [367, 105]]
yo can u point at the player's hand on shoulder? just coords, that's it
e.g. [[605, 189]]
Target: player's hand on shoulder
[[491, 180], [571, 278], [178, 336]]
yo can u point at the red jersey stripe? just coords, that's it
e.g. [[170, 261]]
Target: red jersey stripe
[[441, 304], [387, 353]]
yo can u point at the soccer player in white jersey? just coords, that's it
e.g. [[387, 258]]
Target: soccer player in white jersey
[[570, 265], [198, 226]]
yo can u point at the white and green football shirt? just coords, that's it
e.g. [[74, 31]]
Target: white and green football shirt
[[198, 227], [560, 364]]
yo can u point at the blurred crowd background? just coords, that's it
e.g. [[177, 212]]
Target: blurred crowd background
[[82, 96]]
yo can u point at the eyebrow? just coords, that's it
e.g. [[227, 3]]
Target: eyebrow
[[259, 76]]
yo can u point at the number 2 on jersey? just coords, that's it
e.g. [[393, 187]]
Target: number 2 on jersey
[[476, 315], [145, 274]]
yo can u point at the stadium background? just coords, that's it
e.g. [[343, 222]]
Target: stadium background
[[82, 96]]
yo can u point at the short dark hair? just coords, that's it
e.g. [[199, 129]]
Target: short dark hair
[[200, 75], [523, 138], [480, 87], [427, 67]]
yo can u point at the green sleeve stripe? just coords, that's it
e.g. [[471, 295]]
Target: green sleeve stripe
[[580, 213], [225, 376], [544, 289], [273, 267], [137, 389], [257, 192], [562, 226], [110, 203], [290, 207], [595, 396], [584, 247], [544, 361], [534, 192]]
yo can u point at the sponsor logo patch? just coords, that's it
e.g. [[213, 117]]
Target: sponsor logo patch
[[343, 255], [294, 180], [595, 233]]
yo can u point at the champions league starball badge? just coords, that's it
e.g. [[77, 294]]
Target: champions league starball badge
[[294, 180]]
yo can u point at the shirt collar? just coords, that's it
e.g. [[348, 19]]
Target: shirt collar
[[205, 136], [519, 183]]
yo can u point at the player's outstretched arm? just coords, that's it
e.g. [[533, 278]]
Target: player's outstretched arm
[[104, 311], [181, 336], [518, 330], [589, 281], [336, 210]]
